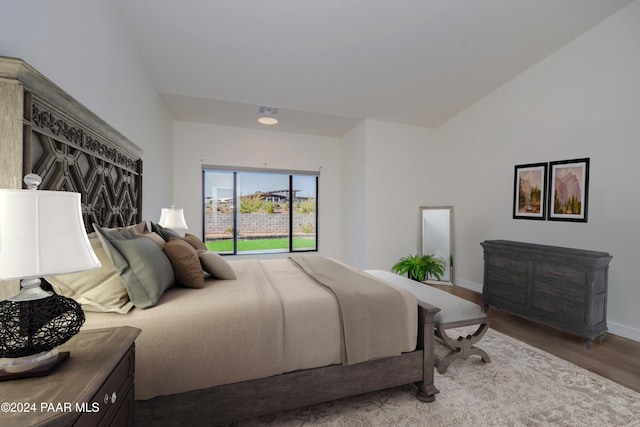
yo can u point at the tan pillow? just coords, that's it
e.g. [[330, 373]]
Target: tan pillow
[[99, 289], [155, 238], [139, 228], [136, 229], [185, 262], [216, 266], [194, 241]]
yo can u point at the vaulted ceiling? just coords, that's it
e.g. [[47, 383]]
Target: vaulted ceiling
[[328, 64]]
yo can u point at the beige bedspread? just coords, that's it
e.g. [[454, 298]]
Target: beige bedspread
[[371, 311], [272, 319]]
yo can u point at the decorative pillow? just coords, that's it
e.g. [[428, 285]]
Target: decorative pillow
[[155, 238], [99, 289], [216, 266], [194, 241], [165, 233], [142, 266], [185, 262], [136, 229], [139, 228]]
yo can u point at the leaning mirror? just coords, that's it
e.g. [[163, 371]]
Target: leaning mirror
[[437, 236]]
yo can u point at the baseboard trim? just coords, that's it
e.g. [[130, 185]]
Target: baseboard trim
[[624, 331], [467, 284], [614, 328]]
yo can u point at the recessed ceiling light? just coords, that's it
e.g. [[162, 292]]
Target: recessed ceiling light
[[267, 120]]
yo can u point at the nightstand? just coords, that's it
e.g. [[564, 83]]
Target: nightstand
[[94, 387]]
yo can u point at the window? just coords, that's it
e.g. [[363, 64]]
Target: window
[[259, 211]]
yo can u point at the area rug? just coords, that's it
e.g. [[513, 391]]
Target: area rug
[[522, 386]]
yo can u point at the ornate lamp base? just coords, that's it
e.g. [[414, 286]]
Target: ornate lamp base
[[32, 325]]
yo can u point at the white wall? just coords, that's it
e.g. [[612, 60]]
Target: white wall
[[582, 101], [353, 196], [202, 144], [83, 47], [399, 159], [386, 181]]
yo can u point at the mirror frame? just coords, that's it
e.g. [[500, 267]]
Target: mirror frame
[[450, 261]]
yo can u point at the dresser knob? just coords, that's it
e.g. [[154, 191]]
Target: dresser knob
[[113, 397], [106, 398]]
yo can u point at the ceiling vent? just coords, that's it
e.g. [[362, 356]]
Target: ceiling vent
[[269, 111]]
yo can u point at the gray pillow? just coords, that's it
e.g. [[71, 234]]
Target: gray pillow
[[216, 266], [165, 233], [143, 268]]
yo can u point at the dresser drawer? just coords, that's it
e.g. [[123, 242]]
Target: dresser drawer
[[562, 273], [505, 294], [112, 395], [506, 263], [559, 308], [506, 279], [573, 294]]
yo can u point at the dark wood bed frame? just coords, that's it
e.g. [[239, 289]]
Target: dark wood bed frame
[[74, 150]]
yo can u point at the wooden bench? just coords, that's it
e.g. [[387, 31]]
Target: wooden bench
[[454, 312]]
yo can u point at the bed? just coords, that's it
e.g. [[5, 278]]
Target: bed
[[226, 348]]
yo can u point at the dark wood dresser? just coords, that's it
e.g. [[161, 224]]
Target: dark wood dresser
[[95, 387], [562, 287]]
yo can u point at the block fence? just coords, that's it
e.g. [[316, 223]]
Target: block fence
[[258, 223]]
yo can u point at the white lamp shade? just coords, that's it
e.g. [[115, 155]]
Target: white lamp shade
[[42, 234], [173, 218]]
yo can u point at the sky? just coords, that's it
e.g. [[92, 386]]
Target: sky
[[250, 183]]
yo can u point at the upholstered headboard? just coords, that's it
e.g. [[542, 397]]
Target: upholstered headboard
[[71, 148]]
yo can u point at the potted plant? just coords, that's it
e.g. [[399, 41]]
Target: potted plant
[[420, 267]]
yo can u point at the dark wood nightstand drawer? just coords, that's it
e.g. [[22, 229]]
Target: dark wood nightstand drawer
[[112, 395]]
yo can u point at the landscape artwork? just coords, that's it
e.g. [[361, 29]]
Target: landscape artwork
[[529, 191], [568, 193]]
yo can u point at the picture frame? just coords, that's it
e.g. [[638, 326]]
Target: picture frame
[[530, 186], [568, 190]]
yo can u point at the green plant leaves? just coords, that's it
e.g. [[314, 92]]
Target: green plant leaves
[[420, 267]]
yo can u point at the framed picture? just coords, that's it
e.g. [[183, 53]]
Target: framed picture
[[568, 190], [530, 185]]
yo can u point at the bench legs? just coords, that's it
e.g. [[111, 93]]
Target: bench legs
[[462, 347]]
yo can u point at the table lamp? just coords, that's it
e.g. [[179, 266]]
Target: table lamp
[[173, 218], [41, 234]]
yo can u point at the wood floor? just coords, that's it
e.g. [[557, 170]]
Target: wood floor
[[616, 358]]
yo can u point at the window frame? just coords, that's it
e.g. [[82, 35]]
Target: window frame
[[235, 171]]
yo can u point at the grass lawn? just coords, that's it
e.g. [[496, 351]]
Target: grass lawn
[[260, 244]]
